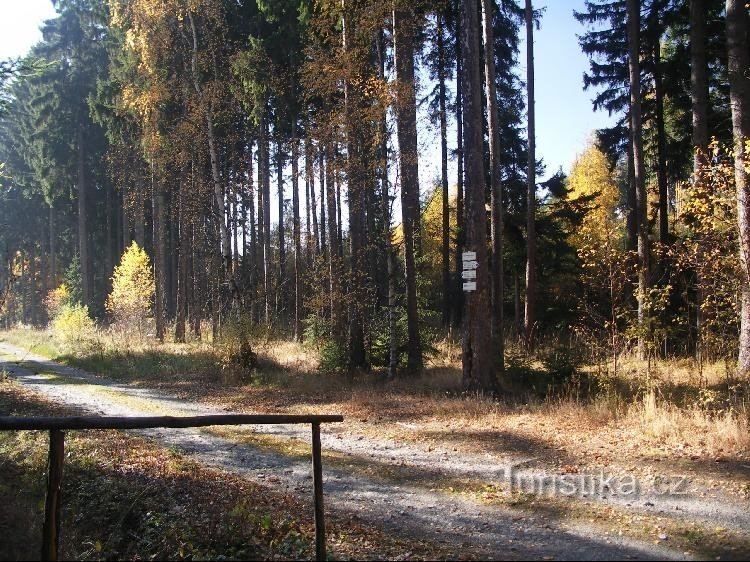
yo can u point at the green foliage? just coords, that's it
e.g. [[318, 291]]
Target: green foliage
[[562, 363], [72, 277], [333, 357], [315, 330]]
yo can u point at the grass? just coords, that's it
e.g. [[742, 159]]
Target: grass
[[668, 412]]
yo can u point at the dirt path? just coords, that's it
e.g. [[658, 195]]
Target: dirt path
[[408, 500]]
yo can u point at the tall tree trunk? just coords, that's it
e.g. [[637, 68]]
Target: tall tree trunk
[[235, 229], [110, 237], [339, 222], [638, 164], [406, 120], [52, 245], [661, 150], [530, 304], [323, 177], [83, 230], [699, 84], [310, 242], [297, 241], [334, 259], [139, 219], [219, 202], [387, 235], [160, 255], [264, 213], [313, 200], [182, 277], [354, 173], [459, 295], [446, 232], [495, 186], [478, 364], [739, 95], [253, 253], [631, 243], [281, 290]]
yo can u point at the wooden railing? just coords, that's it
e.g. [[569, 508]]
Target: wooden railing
[[56, 427]]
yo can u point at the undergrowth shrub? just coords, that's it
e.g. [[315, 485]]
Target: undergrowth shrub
[[333, 357], [75, 330], [238, 360]]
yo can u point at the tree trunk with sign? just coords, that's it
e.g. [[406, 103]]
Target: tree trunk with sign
[[477, 359]]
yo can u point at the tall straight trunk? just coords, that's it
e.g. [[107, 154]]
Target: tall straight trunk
[[530, 304], [248, 223], [171, 247], [235, 230], [264, 213], [354, 176], [323, 177], [445, 247], [139, 220], [406, 121], [83, 230], [339, 222], [160, 254], [334, 259], [297, 242], [699, 85], [310, 243], [386, 212], [109, 237], [182, 277], [52, 245], [636, 133], [459, 296], [495, 186], [252, 253], [478, 364], [313, 199], [631, 242], [661, 150], [218, 190], [739, 95], [281, 290], [33, 312]]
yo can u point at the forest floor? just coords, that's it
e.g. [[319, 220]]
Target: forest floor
[[440, 475]]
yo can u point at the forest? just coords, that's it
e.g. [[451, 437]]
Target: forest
[[231, 194]]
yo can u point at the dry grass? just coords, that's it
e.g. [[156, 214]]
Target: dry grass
[[673, 410], [716, 434]]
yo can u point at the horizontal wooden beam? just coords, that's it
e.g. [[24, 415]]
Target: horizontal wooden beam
[[144, 422]]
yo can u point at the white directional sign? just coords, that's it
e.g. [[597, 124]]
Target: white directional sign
[[469, 270]]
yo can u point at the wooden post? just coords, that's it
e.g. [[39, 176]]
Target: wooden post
[[320, 529], [51, 532]]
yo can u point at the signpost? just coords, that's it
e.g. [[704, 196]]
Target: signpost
[[469, 273]]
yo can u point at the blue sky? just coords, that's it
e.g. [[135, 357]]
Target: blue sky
[[565, 118]]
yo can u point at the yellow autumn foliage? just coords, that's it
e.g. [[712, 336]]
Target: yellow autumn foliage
[[56, 299], [74, 328], [598, 238], [133, 290]]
